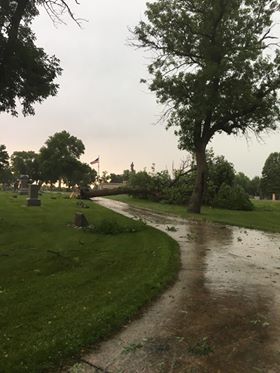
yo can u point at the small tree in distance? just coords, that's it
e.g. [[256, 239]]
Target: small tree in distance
[[6, 175], [270, 181], [4, 157], [212, 71]]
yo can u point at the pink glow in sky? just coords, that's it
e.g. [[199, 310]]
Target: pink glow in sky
[[102, 102]]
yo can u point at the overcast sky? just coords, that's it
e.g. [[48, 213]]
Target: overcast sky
[[102, 102]]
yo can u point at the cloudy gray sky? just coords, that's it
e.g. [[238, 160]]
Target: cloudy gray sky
[[102, 102]]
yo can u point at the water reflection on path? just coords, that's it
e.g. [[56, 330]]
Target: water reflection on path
[[222, 315]]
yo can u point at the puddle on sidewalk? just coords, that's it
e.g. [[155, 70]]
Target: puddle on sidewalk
[[222, 315]]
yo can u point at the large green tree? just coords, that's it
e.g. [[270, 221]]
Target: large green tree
[[25, 163], [27, 73], [270, 181], [212, 71], [58, 157]]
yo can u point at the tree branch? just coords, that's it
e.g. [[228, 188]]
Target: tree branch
[[56, 8]]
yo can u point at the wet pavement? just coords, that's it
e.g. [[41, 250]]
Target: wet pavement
[[222, 315]]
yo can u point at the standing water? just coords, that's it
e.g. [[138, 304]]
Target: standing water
[[222, 314]]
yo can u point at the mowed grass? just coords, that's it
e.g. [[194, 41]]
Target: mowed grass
[[265, 216], [61, 288]]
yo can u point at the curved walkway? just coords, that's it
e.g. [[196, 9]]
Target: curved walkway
[[222, 315]]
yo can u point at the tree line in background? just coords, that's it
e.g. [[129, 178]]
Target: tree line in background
[[56, 162], [225, 188], [223, 185], [210, 68]]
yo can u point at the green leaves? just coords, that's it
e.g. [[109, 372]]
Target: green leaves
[[25, 163], [27, 73], [4, 157], [59, 159], [270, 182], [210, 65]]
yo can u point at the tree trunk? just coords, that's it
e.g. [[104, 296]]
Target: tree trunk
[[200, 181], [10, 46], [14, 29]]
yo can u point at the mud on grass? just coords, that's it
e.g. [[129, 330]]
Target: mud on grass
[[62, 289]]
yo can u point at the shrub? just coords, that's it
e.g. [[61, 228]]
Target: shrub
[[178, 194], [110, 226], [147, 186], [232, 198]]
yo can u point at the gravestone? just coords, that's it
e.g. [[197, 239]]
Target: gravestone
[[23, 185], [16, 183], [33, 196], [80, 220]]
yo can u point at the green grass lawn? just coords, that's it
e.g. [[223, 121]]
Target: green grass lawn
[[61, 288], [265, 216]]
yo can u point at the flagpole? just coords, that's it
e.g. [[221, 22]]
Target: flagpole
[[99, 166]]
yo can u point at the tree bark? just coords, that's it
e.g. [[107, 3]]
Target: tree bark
[[200, 181], [14, 27], [10, 47]]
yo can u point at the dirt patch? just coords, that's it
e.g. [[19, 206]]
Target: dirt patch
[[222, 315]]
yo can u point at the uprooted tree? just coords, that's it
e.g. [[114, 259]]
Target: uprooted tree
[[27, 73], [216, 67]]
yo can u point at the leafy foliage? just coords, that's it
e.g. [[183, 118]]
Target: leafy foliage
[[27, 72], [116, 178], [255, 186], [113, 226], [212, 70], [232, 198], [220, 172], [25, 163], [4, 157], [242, 180], [251, 186], [232, 80], [149, 186], [220, 192], [59, 157], [270, 182], [78, 173], [57, 161], [5, 173]]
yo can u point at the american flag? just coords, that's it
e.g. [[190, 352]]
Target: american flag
[[95, 161]]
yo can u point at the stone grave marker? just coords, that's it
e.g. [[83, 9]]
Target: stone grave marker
[[33, 199], [80, 220], [23, 185]]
